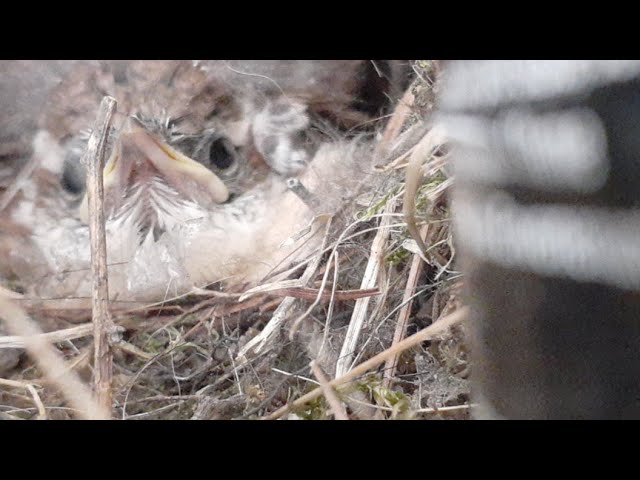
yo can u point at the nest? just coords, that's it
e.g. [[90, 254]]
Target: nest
[[333, 338]]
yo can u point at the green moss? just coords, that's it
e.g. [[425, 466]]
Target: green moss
[[397, 401], [376, 208], [313, 410], [398, 257], [151, 344]]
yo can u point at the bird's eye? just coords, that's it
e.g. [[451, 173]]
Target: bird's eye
[[221, 153], [74, 173], [172, 122]]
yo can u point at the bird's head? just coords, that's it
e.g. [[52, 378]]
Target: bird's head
[[177, 146], [155, 178]]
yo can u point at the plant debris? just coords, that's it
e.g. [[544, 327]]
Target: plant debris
[[190, 358]]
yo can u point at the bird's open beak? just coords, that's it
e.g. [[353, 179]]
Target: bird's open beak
[[139, 156]]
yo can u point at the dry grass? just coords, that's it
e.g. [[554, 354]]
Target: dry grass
[[262, 353]]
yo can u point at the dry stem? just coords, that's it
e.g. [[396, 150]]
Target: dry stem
[[405, 312], [42, 413], [413, 178], [369, 280], [395, 124], [51, 337], [103, 324], [339, 413]]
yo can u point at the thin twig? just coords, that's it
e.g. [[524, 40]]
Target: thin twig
[[395, 124], [427, 333], [132, 349], [446, 409], [405, 312], [294, 375], [102, 321], [51, 337], [77, 309], [329, 316], [306, 293], [224, 310], [413, 179], [403, 147], [270, 305], [157, 410], [166, 398], [42, 412], [298, 321], [250, 74], [339, 412]]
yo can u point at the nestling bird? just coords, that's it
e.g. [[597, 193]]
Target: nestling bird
[[196, 178]]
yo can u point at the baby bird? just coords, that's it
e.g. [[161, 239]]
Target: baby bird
[[199, 158]]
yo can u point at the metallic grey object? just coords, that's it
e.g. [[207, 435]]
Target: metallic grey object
[[303, 194]]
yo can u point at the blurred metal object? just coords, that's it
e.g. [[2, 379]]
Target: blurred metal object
[[297, 187], [546, 213]]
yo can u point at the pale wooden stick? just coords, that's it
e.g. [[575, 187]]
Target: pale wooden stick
[[50, 362], [76, 305], [42, 412], [395, 124], [298, 321], [369, 280], [103, 324], [339, 413], [413, 179], [403, 316], [403, 147], [446, 409], [51, 337], [427, 333]]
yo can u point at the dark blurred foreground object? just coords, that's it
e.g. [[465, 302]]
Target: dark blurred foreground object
[[547, 157]]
